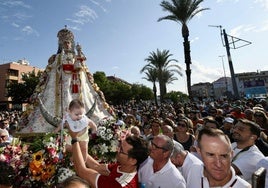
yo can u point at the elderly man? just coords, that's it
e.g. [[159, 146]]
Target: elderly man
[[246, 153], [131, 153], [216, 152], [184, 160], [158, 171]]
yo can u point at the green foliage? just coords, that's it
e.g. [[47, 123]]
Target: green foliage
[[117, 92], [161, 65], [100, 79], [176, 96], [21, 92], [141, 92]]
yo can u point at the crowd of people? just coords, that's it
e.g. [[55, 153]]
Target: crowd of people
[[212, 144]]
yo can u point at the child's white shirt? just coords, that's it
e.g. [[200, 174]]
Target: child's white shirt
[[78, 125]]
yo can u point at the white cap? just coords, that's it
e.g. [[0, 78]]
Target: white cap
[[229, 120]]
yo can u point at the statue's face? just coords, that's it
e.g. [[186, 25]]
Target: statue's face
[[67, 45]]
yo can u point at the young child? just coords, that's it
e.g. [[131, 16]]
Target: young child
[[77, 121]]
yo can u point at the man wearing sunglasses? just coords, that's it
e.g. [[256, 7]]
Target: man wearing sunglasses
[[131, 152], [158, 171]]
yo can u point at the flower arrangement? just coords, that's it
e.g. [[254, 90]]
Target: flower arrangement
[[103, 145], [43, 163], [16, 156]]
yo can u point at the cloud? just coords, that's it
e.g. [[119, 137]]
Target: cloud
[[202, 73], [115, 68], [195, 39], [263, 3], [84, 15], [13, 3], [263, 27], [15, 25], [75, 28], [241, 29], [28, 30], [21, 16], [99, 5]]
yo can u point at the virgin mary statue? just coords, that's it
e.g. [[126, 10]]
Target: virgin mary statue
[[65, 78]]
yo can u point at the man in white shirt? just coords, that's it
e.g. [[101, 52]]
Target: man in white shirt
[[215, 149], [246, 154], [158, 171], [184, 160]]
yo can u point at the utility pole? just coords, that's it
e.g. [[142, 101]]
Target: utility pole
[[236, 94], [226, 44], [225, 78]]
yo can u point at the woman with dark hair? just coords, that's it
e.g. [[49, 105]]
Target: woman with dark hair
[[183, 133]]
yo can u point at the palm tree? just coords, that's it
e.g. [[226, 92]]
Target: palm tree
[[182, 11], [169, 77], [160, 62], [152, 77]]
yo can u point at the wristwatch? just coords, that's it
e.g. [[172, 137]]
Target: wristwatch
[[74, 140]]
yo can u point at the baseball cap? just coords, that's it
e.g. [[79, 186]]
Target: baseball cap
[[229, 120]]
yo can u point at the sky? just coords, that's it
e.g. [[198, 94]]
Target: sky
[[118, 35]]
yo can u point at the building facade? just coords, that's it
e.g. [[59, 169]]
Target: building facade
[[252, 84], [11, 72], [222, 88], [202, 91]]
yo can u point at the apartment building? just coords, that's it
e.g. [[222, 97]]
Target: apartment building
[[11, 72]]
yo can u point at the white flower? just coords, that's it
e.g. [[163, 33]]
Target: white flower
[[109, 136], [114, 144], [102, 134], [103, 148]]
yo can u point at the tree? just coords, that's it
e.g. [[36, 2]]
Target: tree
[[169, 77], [141, 92], [151, 76], [100, 79], [160, 62], [21, 92], [183, 11], [117, 92], [176, 97]]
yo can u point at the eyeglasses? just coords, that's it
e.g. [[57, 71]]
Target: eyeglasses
[[121, 148], [154, 146]]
